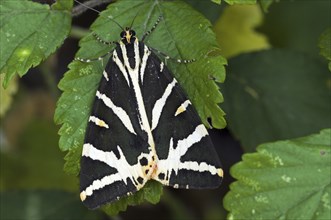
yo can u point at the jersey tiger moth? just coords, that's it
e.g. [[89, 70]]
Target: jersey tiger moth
[[142, 127]]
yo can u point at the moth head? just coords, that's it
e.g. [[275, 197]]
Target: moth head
[[128, 36]]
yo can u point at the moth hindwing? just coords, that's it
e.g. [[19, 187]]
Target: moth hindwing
[[142, 127]]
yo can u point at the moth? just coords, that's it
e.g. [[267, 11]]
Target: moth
[[143, 127]]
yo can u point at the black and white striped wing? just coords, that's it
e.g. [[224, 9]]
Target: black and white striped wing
[[186, 155], [116, 149], [142, 127]]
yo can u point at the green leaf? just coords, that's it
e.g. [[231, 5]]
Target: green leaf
[[217, 1], [276, 94], [182, 34], [325, 45], [29, 33], [43, 204], [284, 180], [241, 2], [151, 192]]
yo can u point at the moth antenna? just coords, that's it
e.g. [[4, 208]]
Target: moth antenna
[[116, 23], [133, 20], [99, 13]]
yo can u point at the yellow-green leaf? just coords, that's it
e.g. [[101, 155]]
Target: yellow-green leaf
[[6, 95], [235, 30]]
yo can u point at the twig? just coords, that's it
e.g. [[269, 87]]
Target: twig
[[80, 9]]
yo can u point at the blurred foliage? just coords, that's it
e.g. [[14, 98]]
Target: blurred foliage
[[296, 24], [283, 180], [209, 9], [6, 95], [276, 94], [235, 30], [43, 205], [278, 87], [265, 4], [325, 45], [239, 2], [231, 2], [29, 160]]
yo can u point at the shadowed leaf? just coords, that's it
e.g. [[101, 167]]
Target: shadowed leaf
[[276, 94]]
